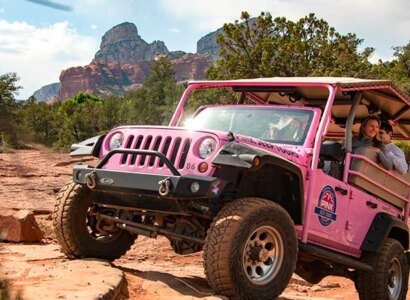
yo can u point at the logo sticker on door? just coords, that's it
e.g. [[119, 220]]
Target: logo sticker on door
[[326, 208]]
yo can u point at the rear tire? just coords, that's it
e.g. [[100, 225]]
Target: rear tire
[[389, 278], [250, 250], [72, 223]]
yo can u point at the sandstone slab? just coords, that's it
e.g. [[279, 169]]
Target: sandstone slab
[[19, 226], [40, 272]]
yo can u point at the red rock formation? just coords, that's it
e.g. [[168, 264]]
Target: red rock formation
[[123, 62], [103, 78], [190, 67]]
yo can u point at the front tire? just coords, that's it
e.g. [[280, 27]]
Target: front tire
[[250, 250], [74, 227], [389, 278]]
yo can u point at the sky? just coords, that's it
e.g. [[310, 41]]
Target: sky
[[38, 42]]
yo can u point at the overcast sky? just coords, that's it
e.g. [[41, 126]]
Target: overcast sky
[[38, 42]]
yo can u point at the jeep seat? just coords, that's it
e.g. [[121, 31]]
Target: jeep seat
[[387, 185]]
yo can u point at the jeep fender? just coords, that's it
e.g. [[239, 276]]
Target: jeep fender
[[385, 226], [243, 156], [90, 146]]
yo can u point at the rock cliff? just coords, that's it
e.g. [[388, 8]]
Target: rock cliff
[[47, 92], [123, 45], [207, 45], [123, 62]]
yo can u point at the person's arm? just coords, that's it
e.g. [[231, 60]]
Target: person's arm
[[399, 160], [385, 160]]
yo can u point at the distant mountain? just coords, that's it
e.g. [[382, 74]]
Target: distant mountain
[[207, 45], [123, 61], [122, 45], [47, 92]]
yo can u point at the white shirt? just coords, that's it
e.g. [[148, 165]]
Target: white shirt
[[392, 157]]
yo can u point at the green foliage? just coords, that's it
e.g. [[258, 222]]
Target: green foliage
[[160, 92], [398, 70], [8, 89], [41, 122], [262, 47], [80, 119], [110, 114]]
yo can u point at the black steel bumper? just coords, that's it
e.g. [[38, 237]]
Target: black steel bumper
[[171, 186]]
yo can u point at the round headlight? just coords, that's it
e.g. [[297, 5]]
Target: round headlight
[[116, 141], [206, 148]]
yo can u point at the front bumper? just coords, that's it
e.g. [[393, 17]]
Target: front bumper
[[169, 186]]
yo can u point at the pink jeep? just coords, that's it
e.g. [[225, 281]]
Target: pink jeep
[[261, 178]]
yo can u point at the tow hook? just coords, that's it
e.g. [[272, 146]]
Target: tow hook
[[164, 186], [91, 179]]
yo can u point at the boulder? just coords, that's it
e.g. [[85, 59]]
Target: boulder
[[19, 226]]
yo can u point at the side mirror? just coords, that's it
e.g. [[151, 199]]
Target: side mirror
[[88, 147]]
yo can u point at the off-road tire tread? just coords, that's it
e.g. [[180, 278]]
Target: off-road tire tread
[[61, 218], [66, 208], [219, 239], [369, 285]]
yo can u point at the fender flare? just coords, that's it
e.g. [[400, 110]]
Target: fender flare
[[242, 155], [382, 227]]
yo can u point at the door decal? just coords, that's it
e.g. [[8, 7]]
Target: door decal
[[326, 208]]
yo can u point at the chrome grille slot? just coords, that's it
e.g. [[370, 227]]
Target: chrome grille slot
[[174, 150], [137, 145], [184, 154], [155, 148], [146, 147], [165, 149], [127, 146]]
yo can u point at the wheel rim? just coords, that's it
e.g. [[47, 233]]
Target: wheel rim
[[263, 255], [395, 279]]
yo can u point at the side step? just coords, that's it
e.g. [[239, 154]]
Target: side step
[[334, 257]]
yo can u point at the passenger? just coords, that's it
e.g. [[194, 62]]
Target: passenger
[[367, 133], [273, 131], [390, 156]]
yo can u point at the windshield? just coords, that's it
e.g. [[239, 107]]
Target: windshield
[[285, 126]]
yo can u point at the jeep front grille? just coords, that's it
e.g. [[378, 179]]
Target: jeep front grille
[[175, 149]]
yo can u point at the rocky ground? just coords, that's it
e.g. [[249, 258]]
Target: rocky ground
[[29, 179]]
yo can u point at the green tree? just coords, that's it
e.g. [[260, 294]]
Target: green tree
[[398, 69], [154, 102], [41, 122], [80, 117], [8, 90], [110, 112], [263, 47], [162, 92]]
